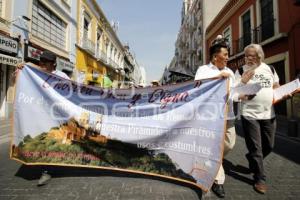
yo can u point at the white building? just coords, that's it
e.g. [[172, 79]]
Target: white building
[[196, 15], [143, 79], [30, 27]]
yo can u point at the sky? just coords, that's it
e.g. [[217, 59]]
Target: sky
[[150, 27]]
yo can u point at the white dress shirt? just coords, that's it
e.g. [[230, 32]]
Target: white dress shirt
[[211, 71]]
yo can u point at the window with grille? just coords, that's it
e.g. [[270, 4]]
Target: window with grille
[[98, 41], [86, 27], [86, 23], [246, 25], [227, 36], [111, 51], [47, 26], [267, 19], [99, 34]]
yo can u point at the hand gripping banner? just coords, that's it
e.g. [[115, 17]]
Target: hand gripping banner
[[174, 131]]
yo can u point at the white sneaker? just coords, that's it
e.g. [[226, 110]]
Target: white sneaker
[[44, 179]]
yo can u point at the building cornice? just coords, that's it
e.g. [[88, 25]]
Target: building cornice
[[58, 11], [226, 12], [42, 44], [111, 31]]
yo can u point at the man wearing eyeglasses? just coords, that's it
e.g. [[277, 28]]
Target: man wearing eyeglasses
[[257, 112]]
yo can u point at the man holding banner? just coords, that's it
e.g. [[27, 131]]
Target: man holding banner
[[47, 62], [217, 68], [174, 131]]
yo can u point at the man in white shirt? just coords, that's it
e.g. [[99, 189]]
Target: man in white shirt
[[257, 112], [217, 68]]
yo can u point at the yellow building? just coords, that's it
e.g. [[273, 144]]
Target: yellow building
[[99, 53]]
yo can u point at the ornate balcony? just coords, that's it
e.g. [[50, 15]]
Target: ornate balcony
[[87, 43]]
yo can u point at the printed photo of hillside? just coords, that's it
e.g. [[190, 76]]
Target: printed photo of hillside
[[72, 143]]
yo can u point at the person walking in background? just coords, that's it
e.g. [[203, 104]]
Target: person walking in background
[[48, 63], [217, 68], [257, 112]]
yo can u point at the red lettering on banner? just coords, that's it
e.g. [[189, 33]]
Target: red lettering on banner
[[166, 97], [174, 99], [156, 95]]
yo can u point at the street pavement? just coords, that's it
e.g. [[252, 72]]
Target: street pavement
[[19, 181]]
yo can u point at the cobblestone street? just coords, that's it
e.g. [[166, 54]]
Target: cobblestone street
[[19, 181]]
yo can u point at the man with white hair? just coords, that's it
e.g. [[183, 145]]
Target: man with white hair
[[257, 112]]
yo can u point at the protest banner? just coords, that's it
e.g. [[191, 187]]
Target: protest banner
[[173, 131]]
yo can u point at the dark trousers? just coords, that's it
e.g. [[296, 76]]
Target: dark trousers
[[259, 138]]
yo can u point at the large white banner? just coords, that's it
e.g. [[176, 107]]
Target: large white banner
[[174, 131]]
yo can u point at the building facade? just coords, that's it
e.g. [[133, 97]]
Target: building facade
[[135, 75], [274, 24], [195, 17], [129, 66], [100, 54], [37, 26], [9, 57], [33, 26], [52, 27], [77, 31], [143, 78]]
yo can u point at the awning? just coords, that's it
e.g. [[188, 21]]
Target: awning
[[182, 72], [179, 70]]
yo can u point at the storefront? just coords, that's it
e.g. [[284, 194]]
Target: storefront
[[88, 70], [8, 62], [65, 66], [32, 54]]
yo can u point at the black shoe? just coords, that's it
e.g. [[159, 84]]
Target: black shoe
[[218, 189]]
